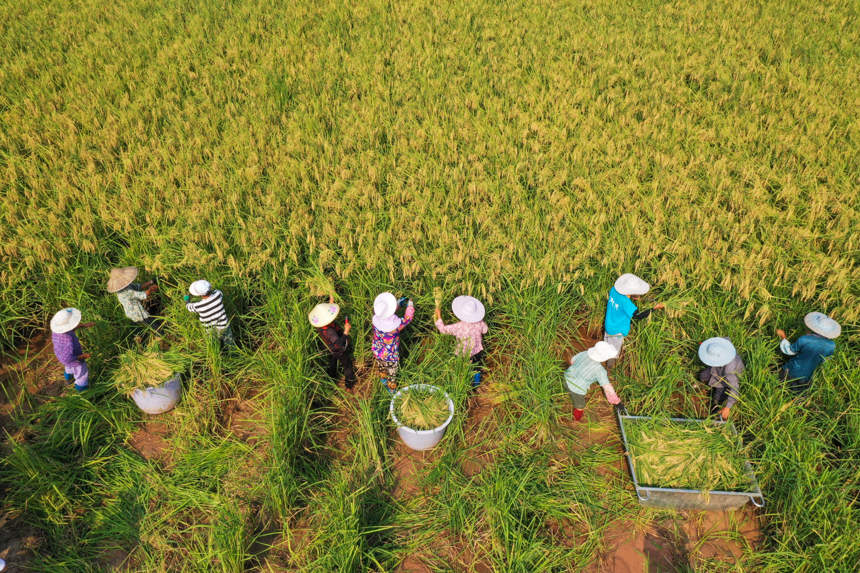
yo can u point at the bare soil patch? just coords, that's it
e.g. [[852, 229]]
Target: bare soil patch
[[31, 372], [150, 440], [18, 543]]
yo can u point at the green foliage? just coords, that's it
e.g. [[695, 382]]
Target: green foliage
[[687, 455], [523, 152]]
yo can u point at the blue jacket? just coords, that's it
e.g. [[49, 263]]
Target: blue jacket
[[810, 351]]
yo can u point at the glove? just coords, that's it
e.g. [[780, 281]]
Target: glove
[[186, 298]]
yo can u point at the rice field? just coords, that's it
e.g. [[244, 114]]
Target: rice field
[[526, 153]]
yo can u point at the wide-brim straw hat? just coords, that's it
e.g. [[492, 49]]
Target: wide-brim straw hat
[[717, 351], [820, 323], [629, 284], [602, 351], [65, 320], [384, 305], [121, 278], [199, 288], [323, 314], [468, 309], [386, 324]]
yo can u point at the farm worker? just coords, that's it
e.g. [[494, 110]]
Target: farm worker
[[387, 327], [336, 340], [210, 309], [67, 347], [809, 351], [724, 367], [585, 369], [620, 310], [468, 331], [131, 294]]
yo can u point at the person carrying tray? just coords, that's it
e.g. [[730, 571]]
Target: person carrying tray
[[585, 369], [336, 340], [809, 351], [469, 331], [621, 310], [724, 367]]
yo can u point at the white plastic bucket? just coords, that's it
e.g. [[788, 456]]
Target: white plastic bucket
[[421, 439], [158, 399]]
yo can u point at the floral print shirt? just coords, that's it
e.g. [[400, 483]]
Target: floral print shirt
[[469, 335], [386, 345]]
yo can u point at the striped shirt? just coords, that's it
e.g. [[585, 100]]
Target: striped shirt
[[583, 372], [210, 309]]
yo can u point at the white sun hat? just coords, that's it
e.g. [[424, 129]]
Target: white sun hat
[[121, 278], [629, 284], [602, 351], [384, 307], [717, 351], [323, 314], [65, 320], [199, 288], [468, 309], [820, 323]]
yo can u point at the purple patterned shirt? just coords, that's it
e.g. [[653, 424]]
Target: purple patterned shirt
[[67, 347]]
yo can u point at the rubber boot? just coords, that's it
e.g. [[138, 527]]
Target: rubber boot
[[476, 380], [68, 376], [577, 414]]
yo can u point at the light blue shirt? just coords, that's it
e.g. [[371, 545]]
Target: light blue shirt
[[619, 311], [583, 372]]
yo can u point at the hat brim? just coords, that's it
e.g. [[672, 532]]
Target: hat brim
[[468, 309], [320, 318], [816, 327], [386, 323], [68, 326], [599, 356], [384, 305], [121, 279], [727, 352]]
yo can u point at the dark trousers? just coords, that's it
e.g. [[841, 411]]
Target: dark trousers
[[346, 362], [796, 385], [718, 397]]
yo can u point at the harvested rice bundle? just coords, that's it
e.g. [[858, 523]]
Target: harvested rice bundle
[[421, 408], [686, 455], [139, 369]]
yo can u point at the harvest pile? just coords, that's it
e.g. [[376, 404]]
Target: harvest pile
[[526, 153], [138, 369], [686, 455], [421, 408]]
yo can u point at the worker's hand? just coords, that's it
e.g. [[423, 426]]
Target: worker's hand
[[437, 314], [724, 413], [147, 284], [346, 326], [86, 325], [151, 289], [780, 332], [331, 299], [186, 298], [84, 356], [613, 398], [659, 306]]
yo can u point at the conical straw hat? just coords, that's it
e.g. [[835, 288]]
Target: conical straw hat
[[121, 278]]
